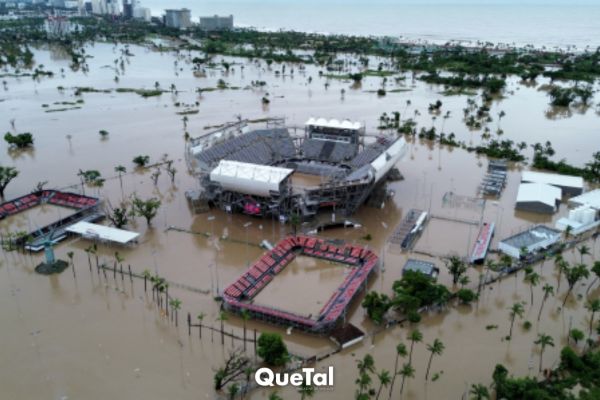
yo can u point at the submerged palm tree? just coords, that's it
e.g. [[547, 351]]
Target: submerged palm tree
[[384, 380], [435, 348], [407, 372], [596, 270], [400, 352], [593, 306], [415, 336], [516, 310], [543, 340], [548, 291], [583, 250], [532, 278]]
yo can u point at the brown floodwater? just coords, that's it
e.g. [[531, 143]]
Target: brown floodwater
[[91, 336]]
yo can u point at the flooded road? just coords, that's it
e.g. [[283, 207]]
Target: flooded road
[[94, 336]]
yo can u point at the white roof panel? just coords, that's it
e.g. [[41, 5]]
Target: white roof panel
[[552, 179], [249, 178], [539, 192], [388, 158], [101, 232], [590, 199], [333, 123]]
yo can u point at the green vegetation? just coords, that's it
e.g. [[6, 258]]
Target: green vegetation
[[577, 377], [7, 174], [272, 349], [461, 81], [20, 140], [541, 160], [563, 97], [141, 92], [91, 178], [141, 160], [145, 208]]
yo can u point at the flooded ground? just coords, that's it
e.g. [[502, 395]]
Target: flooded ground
[[93, 336], [34, 218]]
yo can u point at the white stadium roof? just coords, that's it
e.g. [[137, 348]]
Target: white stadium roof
[[333, 123], [552, 179], [249, 178], [590, 199], [539, 192], [388, 158]]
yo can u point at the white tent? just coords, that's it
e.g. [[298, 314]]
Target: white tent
[[247, 178]]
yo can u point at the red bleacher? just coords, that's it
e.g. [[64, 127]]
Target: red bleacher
[[66, 199], [249, 284]]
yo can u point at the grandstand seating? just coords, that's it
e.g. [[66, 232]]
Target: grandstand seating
[[65, 199], [361, 261]]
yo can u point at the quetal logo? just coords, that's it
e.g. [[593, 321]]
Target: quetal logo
[[266, 377]]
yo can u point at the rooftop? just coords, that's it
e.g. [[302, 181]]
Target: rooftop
[[590, 199], [552, 179], [539, 192], [424, 267], [531, 236], [333, 123]]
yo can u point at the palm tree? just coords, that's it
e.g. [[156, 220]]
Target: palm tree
[[532, 278], [562, 267], [548, 290], [583, 250], [175, 306], [574, 275], [593, 306], [516, 310], [479, 392], [435, 348], [415, 336], [120, 170], [400, 352], [407, 372], [275, 396], [596, 270], [456, 268], [384, 380], [543, 341]]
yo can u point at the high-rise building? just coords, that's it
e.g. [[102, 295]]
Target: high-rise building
[[179, 19], [216, 23]]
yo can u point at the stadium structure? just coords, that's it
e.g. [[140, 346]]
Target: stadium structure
[[360, 261], [280, 171]]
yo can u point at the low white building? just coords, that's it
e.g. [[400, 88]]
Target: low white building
[[570, 185], [538, 198], [529, 241]]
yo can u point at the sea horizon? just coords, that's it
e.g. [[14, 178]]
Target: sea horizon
[[563, 25]]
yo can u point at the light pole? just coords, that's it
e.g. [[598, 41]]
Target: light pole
[[246, 225]]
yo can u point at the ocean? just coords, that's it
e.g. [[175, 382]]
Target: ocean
[[559, 24]]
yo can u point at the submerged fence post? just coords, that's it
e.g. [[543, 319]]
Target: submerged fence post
[[189, 321], [255, 345], [130, 275]]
